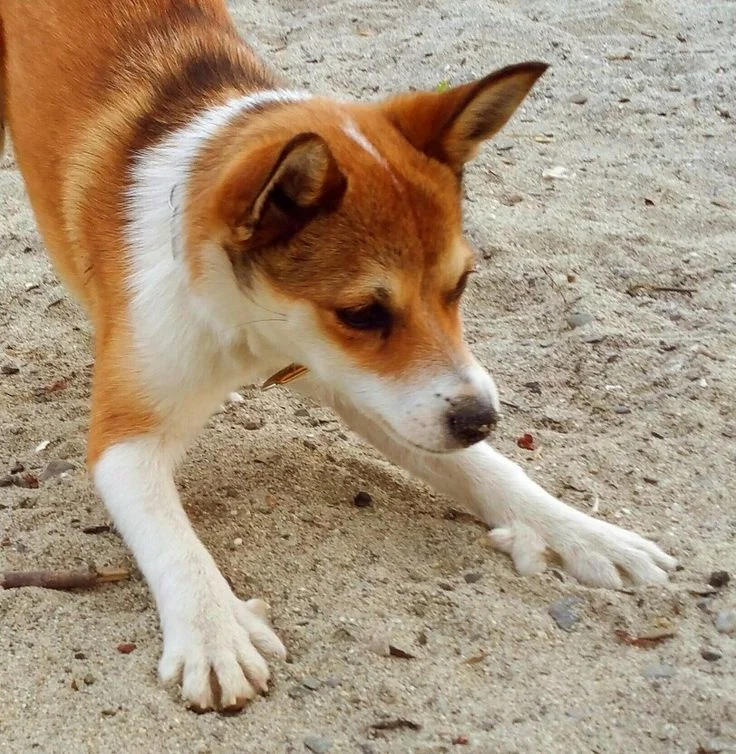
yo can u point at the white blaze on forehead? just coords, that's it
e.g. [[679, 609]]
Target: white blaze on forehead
[[352, 130]]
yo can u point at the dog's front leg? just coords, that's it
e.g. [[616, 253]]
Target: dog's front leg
[[212, 640], [527, 521]]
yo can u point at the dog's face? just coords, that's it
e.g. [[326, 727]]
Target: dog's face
[[355, 240]]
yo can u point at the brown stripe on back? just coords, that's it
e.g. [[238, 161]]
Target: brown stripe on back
[[202, 79], [190, 58]]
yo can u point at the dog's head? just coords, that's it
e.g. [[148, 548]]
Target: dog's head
[[342, 224]]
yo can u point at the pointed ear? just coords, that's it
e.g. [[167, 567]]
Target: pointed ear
[[279, 188], [450, 126]]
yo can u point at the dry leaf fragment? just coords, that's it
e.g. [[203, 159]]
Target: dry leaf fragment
[[644, 641], [475, 659], [400, 653], [396, 724], [526, 441]]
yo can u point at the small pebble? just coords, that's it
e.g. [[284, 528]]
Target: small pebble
[[253, 423], [472, 578], [715, 745], [555, 173], [564, 612], [669, 732], [297, 692], [594, 338], [55, 468], [89, 679], [719, 579], [622, 410], [17, 468], [711, 654], [9, 369], [579, 99], [362, 500], [380, 645], [509, 200], [317, 744], [126, 647], [725, 621], [579, 319], [367, 749], [658, 672], [311, 683]]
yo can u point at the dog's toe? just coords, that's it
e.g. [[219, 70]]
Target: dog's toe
[[216, 655]]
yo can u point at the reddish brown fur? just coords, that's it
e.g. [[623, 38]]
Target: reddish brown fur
[[116, 77], [112, 78]]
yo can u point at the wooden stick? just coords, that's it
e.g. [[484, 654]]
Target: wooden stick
[[62, 579], [634, 289]]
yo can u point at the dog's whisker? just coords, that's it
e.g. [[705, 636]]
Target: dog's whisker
[[261, 306]]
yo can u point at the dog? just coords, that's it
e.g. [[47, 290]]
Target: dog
[[218, 226]]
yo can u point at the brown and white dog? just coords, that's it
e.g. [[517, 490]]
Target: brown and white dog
[[218, 226]]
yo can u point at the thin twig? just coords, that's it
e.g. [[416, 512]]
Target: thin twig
[[79, 579], [632, 290], [555, 286]]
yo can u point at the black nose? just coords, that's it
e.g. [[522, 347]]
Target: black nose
[[471, 420]]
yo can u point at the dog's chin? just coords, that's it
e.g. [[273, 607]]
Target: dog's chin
[[415, 446]]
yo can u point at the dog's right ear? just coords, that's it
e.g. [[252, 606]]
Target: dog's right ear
[[449, 126], [279, 189]]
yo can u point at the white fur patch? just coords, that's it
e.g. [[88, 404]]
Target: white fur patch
[[351, 129], [180, 338]]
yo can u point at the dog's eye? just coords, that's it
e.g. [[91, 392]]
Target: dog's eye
[[461, 285], [371, 317]]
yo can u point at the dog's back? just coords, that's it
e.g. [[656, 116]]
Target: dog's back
[[76, 118]]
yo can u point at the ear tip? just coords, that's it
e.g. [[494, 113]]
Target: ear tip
[[530, 67]]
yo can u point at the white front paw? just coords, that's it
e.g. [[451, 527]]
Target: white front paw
[[213, 645], [593, 551]]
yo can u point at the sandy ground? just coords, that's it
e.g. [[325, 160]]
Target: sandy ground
[[634, 410]]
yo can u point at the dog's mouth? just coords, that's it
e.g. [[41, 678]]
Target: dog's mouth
[[295, 371], [407, 443]]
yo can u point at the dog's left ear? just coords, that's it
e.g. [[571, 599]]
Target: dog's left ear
[[450, 125], [280, 188]]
